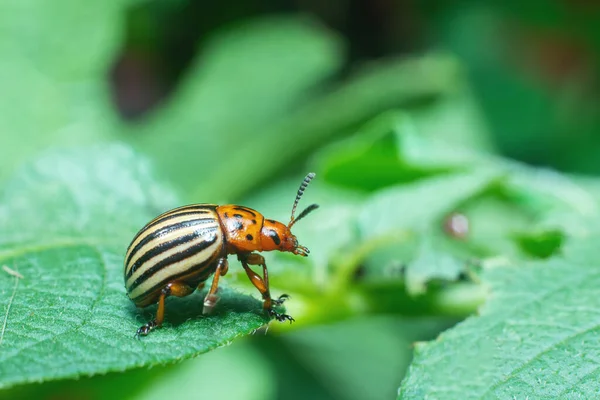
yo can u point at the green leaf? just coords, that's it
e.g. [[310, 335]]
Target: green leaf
[[43, 33], [416, 206], [431, 263], [257, 90], [513, 211], [457, 119], [248, 372], [384, 152], [66, 222], [53, 74], [342, 357], [247, 78], [541, 244], [310, 118], [536, 337], [245, 366]]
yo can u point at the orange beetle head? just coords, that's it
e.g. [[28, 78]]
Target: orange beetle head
[[277, 236]]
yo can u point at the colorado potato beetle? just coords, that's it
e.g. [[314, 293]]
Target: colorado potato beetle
[[179, 250]]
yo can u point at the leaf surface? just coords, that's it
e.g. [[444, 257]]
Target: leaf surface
[[538, 336], [66, 222]]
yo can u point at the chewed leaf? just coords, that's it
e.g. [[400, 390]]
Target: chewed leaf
[[66, 222]]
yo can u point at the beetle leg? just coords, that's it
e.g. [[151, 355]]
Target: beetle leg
[[224, 268], [178, 289], [259, 283], [257, 259], [211, 299], [262, 284]]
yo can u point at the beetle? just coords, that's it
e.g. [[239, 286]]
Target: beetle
[[176, 252]]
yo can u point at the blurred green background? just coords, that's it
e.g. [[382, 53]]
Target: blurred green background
[[235, 102]]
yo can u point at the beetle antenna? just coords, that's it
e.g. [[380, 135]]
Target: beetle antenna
[[305, 212], [301, 190]]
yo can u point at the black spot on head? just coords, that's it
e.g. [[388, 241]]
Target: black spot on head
[[249, 237], [238, 216], [226, 215], [272, 221], [273, 235], [254, 221]]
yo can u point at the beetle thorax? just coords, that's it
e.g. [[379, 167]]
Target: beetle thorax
[[241, 228]]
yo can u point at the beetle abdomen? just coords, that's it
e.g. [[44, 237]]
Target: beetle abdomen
[[179, 245]]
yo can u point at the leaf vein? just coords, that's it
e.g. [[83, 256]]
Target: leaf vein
[[83, 322], [10, 301], [537, 355]]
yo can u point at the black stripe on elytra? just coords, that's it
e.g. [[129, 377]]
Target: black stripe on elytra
[[273, 235], [190, 207], [249, 211], [206, 268], [165, 230], [156, 250], [186, 210], [177, 257], [174, 214]]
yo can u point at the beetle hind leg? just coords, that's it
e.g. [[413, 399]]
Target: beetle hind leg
[[172, 289]]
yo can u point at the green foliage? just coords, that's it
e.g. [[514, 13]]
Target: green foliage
[[341, 356], [53, 74], [398, 148], [531, 70], [70, 216], [517, 214], [536, 336], [277, 108]]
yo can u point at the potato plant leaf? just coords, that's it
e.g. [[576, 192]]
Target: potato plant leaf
[[536, 337], [66, 220]]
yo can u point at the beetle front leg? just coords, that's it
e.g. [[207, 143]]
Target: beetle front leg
[[262, 284]]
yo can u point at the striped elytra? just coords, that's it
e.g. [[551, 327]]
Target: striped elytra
[[176, 252], [182, 244]]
